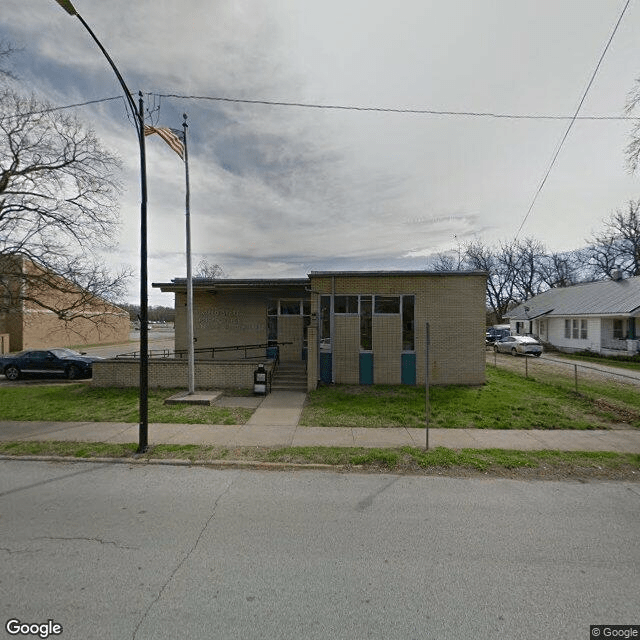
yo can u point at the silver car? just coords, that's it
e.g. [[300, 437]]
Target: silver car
[[522, 345]]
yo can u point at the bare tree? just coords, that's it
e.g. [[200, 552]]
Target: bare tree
[[618, 246], [563, 269], [633, 148], [528, 258], [207, 270], [57, 210], [501, 266]]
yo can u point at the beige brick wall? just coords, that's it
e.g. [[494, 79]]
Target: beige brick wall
[[43, 329], [454, 306], [387, 349], [173, 374], [346, 349], [290, 330]]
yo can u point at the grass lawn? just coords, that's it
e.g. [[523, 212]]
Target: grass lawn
[[507, 401], [498, 462], [622, 362], [83, 403]]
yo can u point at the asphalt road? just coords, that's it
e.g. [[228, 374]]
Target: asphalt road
[[126, 551]]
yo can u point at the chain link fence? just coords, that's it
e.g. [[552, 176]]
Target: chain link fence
[[553, 369]]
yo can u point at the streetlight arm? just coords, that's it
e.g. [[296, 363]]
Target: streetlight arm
[[70, 9]]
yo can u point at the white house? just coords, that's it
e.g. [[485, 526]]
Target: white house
[[591, 316]]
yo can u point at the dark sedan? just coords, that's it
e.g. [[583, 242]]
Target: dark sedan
[[50, 363]]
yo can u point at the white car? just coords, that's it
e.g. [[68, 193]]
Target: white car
[[523, 345]]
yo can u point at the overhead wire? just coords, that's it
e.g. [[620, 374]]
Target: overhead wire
[[399, 110], [573, 119]]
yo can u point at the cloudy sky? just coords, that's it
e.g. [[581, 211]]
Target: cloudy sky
[[277, 191]]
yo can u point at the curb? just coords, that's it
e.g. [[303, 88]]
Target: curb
[[179, 462]]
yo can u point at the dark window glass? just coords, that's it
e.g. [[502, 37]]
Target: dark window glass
[[289, 307], [325, 319], [387, 304], [408, 333], [272, 328], [272, 308], [365, 324], [346, 304]]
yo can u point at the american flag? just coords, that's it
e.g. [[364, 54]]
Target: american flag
[[173, 137]]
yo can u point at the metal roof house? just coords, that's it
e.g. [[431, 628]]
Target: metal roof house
[[349, 327], [592, 316]]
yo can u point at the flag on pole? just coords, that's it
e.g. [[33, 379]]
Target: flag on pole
[[173, 137]]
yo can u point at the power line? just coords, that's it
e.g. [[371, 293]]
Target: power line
[[67, 106], [573, 119], [434, 112]]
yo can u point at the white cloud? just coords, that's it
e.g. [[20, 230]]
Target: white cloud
[[279, 190]]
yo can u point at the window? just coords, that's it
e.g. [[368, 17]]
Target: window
[[289, 307], [407, 324], [366, 331], [346, 304], [575, 328], [325, 320], [387, 304], [618, 331], [583, 329]]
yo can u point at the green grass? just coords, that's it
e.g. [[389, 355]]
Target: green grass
[[83, 403], [551, 464], [623, 362], [507, 401]]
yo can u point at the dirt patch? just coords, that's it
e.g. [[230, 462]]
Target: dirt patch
[[626, 416]]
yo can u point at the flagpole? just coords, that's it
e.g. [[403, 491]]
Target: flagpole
[[190, 346]]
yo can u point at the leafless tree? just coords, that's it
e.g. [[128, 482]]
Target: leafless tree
[[618, 246], [500, 265], [207, 270], [57, 210], [563, 269], [633, 148]]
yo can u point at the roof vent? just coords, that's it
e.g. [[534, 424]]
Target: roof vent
[[616, 274]]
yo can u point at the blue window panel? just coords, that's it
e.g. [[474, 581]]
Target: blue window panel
[[325, 368], [408, 370], [366, 368]]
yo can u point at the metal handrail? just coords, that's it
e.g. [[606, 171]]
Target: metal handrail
[[180, 353]]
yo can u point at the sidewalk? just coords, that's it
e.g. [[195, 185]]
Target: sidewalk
[[275, 424]]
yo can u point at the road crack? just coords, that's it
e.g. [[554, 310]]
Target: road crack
[[85, 539], [184, 559]]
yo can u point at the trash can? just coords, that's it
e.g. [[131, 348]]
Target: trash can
[[260, 381]]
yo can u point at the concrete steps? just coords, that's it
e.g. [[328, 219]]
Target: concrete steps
[[290, 376]]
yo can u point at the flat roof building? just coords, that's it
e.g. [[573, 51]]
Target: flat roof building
[[347, 327]]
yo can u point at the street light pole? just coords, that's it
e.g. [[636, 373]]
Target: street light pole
[[138, 119]]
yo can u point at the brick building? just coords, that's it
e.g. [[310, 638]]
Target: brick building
[[348, 327], [31, 316]]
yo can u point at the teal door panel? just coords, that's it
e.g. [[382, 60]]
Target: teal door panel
[[325, 368], [408, 371], [366, 368]]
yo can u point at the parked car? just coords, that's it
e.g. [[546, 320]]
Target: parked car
[[496, 333], [51, 363], [515, 345]]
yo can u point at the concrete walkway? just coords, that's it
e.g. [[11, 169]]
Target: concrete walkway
[[275, 424]]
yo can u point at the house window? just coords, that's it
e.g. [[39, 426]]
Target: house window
[[575, 329], [618, 330]]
